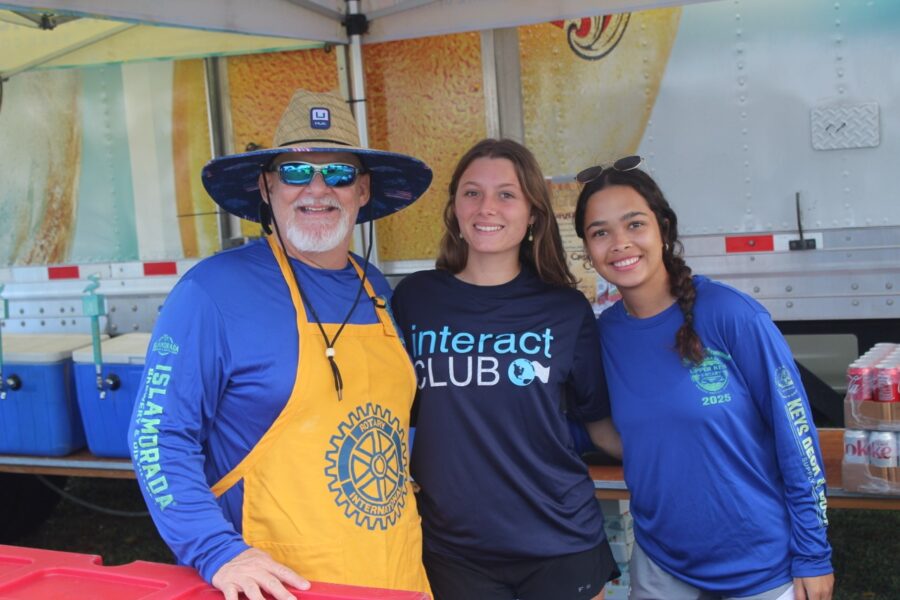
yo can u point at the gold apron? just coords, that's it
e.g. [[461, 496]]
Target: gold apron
[[327, 489]]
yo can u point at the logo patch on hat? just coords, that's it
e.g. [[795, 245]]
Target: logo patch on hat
[[319, 118]]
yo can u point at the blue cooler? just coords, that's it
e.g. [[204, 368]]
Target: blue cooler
[[107, 419], [39, 415]]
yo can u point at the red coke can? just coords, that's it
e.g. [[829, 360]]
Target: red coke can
[[861, 381], [888, 383]]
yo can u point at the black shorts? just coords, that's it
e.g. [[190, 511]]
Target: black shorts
[[579, 576]]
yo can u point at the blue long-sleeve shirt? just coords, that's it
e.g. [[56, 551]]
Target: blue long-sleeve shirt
[[722, 460], [220, 367]]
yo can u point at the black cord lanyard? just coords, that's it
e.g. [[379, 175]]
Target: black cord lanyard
[[329, 342]]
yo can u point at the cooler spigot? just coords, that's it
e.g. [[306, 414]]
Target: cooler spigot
[[94, 305], [4, 314], [113, 382], [13, 382]]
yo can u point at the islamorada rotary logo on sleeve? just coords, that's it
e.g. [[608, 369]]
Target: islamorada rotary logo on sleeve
[[165, 345], [367, 467]]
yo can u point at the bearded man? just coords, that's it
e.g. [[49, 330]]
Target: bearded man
[[271, 436]]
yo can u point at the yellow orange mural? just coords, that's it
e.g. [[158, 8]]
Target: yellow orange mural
[[426, 99], [49, 242], [191, 150], [40, 147], [564, 199], [589, 85], [261, 85]]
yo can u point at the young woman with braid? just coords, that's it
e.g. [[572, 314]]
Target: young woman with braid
[[720, 452]]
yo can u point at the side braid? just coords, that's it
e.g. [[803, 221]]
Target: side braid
[[687, 342]]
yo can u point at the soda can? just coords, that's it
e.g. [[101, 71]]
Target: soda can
[[882, 449], [861, 381], [888, 382], [856, 446]]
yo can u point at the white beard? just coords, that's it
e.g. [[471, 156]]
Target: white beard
[[319, 239]]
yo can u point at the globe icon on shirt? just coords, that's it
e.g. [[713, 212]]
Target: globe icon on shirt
[[521, 372]]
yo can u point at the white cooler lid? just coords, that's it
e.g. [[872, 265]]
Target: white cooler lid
[[41, 348], [126, 349]]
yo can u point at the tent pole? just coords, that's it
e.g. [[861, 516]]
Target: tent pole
[[355, 28], [221, 135], [509, 83]]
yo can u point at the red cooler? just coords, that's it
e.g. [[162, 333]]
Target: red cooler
[[30, 574]]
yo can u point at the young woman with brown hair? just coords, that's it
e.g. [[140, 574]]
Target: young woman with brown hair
[[720, 452], [502, 345]]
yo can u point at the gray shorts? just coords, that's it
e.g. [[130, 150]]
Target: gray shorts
[[650, 582]]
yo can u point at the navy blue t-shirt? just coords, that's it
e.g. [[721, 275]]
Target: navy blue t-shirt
[[497, 366]]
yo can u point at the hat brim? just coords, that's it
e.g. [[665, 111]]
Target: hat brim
[[396, 180]]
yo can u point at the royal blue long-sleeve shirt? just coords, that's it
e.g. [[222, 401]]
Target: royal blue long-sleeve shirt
[[722, 459]]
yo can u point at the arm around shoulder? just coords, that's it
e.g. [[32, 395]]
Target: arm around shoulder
[[605, 436]]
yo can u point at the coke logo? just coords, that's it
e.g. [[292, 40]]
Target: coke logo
[[854, 384], [857, 448], [881, 451]]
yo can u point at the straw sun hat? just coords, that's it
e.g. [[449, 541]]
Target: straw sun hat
[[317, 122]]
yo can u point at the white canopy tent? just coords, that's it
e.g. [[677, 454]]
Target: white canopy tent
[[321, 20]]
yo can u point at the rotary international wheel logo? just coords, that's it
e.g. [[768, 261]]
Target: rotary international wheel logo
[[367, 467]]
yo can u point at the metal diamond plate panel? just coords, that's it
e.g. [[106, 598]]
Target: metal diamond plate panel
[[842, 127]]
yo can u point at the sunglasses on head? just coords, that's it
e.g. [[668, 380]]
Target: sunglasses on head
[[302, 173], [623, 164]]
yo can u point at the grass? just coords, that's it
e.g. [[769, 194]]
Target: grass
[[118, 539], [866, 544]]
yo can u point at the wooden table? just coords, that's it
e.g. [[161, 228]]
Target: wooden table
[[79, 464], [607, 480], [610, 486]]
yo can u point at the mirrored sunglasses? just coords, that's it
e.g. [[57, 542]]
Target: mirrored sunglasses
[[623, 164], [302, 173]]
